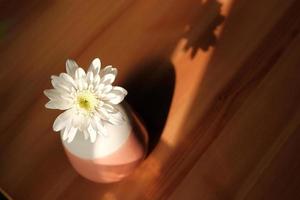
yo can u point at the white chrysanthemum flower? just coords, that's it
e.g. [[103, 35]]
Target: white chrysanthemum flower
[[88, 99]]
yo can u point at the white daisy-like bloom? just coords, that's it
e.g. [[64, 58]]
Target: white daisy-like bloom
[[88, 99]]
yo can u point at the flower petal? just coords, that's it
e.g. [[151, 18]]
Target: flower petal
[[108, 75], [108, 70], [78, 121], [68, 79], [81, 84], [71, 67], [116, 119], [52, 93], [92, 133], [108, 79], [62, 120], [89, 78], [116, 95], [58, 83], [79, 73], [59, 104], [65, 133], [67, 130], [72, 134], [109, 108], [97, 122], [102, 113], [119, 90], [106, 89], [95, 66], [96, 81]]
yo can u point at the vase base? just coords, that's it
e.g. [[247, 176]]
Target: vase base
[[103, 173], [111, 168]]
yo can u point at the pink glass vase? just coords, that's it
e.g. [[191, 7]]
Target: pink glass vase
[[112, 157]]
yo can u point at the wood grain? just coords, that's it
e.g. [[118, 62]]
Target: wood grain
[[216, 82]]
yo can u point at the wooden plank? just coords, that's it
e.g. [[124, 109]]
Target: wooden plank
[[227, 130]]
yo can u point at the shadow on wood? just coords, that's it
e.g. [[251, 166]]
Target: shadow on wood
[[150, 91]]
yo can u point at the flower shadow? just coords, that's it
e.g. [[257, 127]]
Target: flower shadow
[[201, 29], [150, 91]]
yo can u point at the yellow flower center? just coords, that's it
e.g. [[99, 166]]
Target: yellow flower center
[[86, 100]]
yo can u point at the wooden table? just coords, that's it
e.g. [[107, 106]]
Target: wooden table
[[217, 83]]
